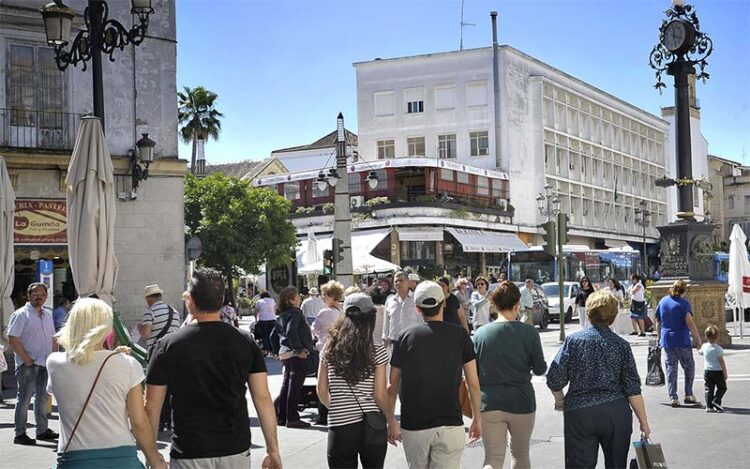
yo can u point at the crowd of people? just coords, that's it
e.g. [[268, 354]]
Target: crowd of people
[[369, 350]]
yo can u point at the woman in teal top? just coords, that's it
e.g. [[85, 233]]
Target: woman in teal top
[[507, 352]]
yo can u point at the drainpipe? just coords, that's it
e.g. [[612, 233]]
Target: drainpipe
[[496, 81]]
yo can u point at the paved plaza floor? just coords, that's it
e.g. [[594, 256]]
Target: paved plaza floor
[[691, 438]]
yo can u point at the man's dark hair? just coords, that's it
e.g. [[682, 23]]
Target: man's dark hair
[[264, 294], [430, 312], [34, 286], [207, 290], [378, 295], [505, 296]]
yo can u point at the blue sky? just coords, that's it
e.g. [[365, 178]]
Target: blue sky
[[283, 68]]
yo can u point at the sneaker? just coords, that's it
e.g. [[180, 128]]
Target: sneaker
[[298, 424], [691, 400], [633, 333], [717, 406], [710, 409], [642, 334], [675, 403], [24, 440], [48, 435]]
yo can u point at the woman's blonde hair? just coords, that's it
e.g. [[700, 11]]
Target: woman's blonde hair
[[601, 308], [333, 290], [352, 289], [88, 324], [678, 288]]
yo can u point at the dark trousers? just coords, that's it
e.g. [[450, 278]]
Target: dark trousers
[[165, 419], [714, 380], [608, 425], [263, 333], [346, 442], [295, 370]]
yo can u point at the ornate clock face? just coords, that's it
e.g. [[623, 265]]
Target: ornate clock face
[[675, 35]]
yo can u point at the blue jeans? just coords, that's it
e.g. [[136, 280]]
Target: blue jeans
[[683, 355], [32, 381]]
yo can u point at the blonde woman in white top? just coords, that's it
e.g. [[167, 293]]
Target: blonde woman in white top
[[115, 412]]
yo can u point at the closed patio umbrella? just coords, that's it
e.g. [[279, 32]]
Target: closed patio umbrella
[[7, 274], [91, 213], [738, 288]]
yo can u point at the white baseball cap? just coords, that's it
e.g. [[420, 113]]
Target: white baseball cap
[[428, 294]]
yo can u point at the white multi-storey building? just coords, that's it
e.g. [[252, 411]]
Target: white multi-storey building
[[600, 154]]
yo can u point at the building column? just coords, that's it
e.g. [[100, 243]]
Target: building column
[[482, 264], [395, 248], [439, 258]]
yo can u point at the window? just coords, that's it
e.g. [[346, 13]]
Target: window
[[447, 146], [326, 191], [414, 106], [476, 94], [445, 97], [446, 175], [386, 149], [383, 103], [480, 143], [355, 183], [35, 84], [730, 202], [415, 146], [747, 205], [497, 188], [483, 185], [462, 178], [382, 175], [291, 191]]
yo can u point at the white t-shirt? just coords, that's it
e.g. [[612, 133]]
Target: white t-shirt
[[105, 422], [640, 294], [266, 308]]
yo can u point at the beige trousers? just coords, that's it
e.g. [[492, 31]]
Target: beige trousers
[[234, 461], [495, 427], [434, 448]]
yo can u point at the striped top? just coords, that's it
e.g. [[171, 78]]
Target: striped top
[[344, 409], [157, 315]]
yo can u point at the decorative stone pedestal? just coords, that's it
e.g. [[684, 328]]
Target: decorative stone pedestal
[[707, 301]]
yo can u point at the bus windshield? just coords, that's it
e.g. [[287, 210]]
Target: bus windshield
[[552, 291], [597, 264]]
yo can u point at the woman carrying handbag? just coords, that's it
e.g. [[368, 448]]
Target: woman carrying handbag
[[352, 384], [99, 396]]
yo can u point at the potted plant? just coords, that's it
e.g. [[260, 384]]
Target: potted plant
[[245, 305]]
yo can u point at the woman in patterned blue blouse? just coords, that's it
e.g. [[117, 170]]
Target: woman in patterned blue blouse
[[598, 367]]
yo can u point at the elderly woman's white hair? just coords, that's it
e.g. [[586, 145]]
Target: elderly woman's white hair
[[89, 322]]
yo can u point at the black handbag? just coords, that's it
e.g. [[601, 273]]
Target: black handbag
[[376, 425], [655, 376]]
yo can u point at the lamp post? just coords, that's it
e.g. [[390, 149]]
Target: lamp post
[[556, 228], [342, 217], [643, 219], [104, 35], [686, 245]]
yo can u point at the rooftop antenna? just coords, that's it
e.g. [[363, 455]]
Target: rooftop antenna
[[461, 46]]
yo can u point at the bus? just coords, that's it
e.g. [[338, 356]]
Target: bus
[[596, 264], [721, 266]]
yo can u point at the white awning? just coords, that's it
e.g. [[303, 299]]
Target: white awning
[[422, 233], [615, 243], [486, 241], [362, 243]]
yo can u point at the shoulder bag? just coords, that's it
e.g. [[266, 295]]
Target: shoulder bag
[[85, 404], [165, 330], [376, 432]]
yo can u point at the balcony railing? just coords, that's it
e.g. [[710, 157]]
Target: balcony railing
[[43, 130]]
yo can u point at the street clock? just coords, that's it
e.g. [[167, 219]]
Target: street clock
[[678, 36]]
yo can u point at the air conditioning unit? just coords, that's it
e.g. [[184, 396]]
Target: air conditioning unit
[[484, 151], [357, 201], [571, 166]]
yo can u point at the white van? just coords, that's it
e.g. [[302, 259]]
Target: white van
[[570, 291]]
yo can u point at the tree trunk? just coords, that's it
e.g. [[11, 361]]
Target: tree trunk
[[192, 159], [229, 288]]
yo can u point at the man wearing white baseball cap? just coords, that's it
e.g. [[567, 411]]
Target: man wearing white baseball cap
[[312, 306], [426, 366]]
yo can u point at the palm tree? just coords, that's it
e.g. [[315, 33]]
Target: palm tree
[[198, 118]]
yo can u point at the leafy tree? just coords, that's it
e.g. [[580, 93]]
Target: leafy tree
[[241, 227], [198, 117]]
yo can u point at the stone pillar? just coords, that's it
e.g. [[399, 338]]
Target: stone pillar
[[439, 258], [395, 248], [482, 264], [707, 301]]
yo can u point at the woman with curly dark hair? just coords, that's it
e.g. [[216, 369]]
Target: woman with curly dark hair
[[352, 383]]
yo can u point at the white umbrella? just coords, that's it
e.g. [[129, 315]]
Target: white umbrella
[[7, 273], [738, 291], [311, 255], [91, 213]]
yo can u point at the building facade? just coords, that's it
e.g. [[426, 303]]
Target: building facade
[[40, 110], [600, 154]]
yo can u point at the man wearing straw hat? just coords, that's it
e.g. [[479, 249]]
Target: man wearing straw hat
[[159, 319]]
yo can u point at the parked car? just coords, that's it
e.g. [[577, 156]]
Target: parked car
[[570, 290], [541, 311]]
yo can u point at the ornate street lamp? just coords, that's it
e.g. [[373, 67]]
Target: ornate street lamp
[[549, 207], [643, 219], [144, 154], [103, 35]]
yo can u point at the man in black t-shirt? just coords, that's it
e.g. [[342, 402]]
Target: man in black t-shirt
[[426, 365], [206, 367]]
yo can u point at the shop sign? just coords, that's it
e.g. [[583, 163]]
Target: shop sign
[[41, 222]]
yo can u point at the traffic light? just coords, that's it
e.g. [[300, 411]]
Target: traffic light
[[338, 250], [562, 225], [328, 262], [550, 237]]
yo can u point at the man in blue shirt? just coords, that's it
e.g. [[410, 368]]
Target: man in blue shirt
[[30, 333]]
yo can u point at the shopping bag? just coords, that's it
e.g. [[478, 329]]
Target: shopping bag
[[655, 376], [648, 455], [464, 400], [3, 363]]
